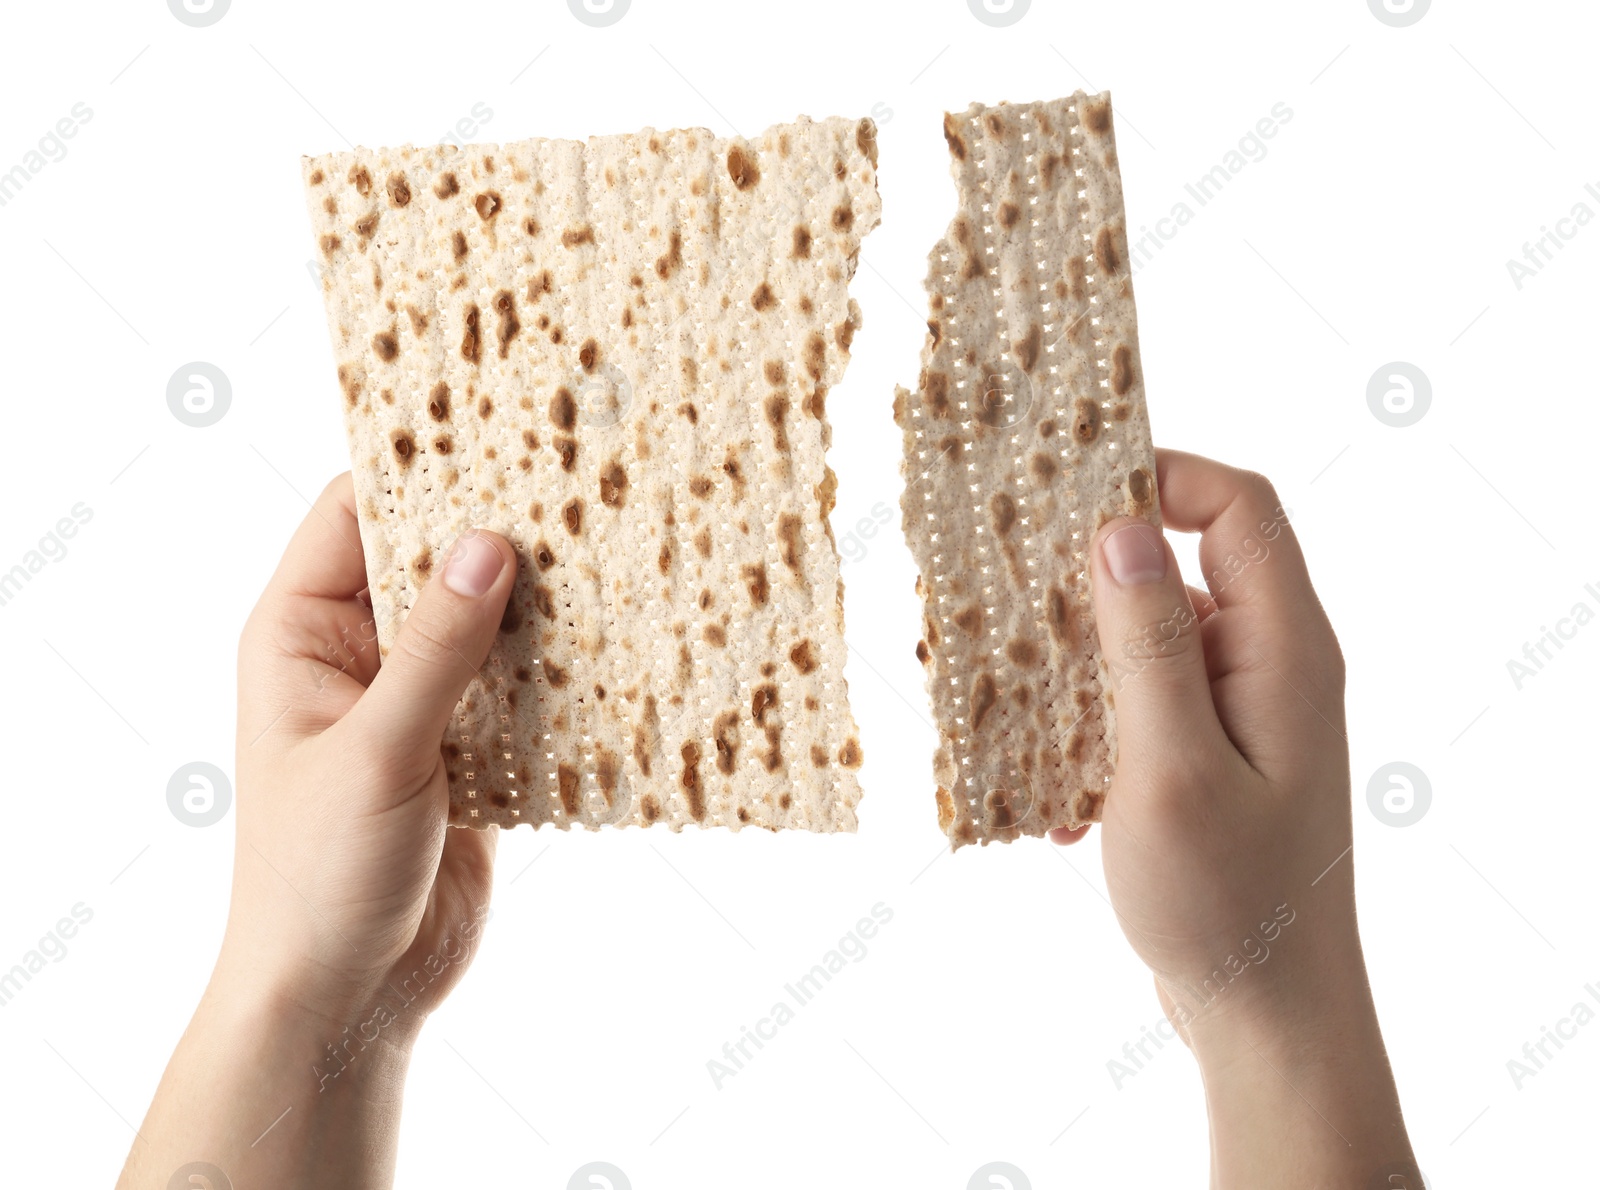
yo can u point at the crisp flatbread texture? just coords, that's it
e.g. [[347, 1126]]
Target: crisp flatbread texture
[[616, 354], [1027, 432]]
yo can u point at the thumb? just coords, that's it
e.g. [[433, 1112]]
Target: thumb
[[438, 650], [1150, 639]]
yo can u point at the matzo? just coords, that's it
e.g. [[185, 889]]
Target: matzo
[[1027, 433], [616, 355]]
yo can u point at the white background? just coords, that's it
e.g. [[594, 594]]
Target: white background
[[978, 1027]]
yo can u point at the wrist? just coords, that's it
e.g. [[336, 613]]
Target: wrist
[[1294, 986], [1299, 1020], [330, 1019], [274, 1091], [1297, 1081]]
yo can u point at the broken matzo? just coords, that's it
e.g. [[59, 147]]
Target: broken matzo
[[615, 354], [1027, 432]]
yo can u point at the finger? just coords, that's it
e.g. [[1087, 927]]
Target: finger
[[302, 669], [1066, 837], [341, 634], [437, 652], [324, 559], [1150, 640], [1248, 552], [1278, 634], [466, 865], [1204, 606], [308, 634], [1170, 1007]]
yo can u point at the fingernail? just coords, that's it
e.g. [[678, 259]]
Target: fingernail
[[472, 566], [1135, 555]]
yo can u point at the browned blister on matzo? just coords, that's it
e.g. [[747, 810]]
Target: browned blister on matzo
[[616, 354], [1027, 432]]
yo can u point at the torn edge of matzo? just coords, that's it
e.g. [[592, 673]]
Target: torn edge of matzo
[[615, 353], [1027, 432]]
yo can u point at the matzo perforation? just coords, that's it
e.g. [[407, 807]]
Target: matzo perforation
[[1027, 432], [616, 354]]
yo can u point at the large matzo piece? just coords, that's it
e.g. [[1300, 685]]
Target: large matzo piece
[[1027, 433], [615, 354]]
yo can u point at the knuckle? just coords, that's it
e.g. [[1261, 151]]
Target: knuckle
[[1332, 656], [425, 642], [1161, 640], [1309, 659], [1254, 478], [1263, 494]]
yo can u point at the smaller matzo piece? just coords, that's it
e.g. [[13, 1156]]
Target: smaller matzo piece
[[616, 354], [1027, 432]]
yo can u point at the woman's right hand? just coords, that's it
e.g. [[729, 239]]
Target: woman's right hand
[[1227, 830]]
